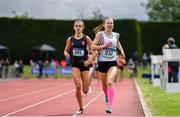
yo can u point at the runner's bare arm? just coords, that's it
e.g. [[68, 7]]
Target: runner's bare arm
[[97, 38], [89, 42], [119, 46], [67, 47], [94, 53]]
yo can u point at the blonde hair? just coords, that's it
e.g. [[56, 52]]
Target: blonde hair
[[100, 27], [77, 21]]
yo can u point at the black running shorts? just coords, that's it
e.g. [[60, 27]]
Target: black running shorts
[[80, 65], [105, 65]]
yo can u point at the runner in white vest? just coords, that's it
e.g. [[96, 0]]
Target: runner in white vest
[[106, 41]]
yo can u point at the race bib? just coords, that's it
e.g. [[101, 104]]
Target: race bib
[[78, 52], [108, 53]]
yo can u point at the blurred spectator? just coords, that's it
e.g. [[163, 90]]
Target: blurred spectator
[[144, 60], [173, 66], [31, 62], [21, 68], [1, 67], [15, 68], [165, 46], [18, 68], [131, 67], [56, 62], [46, 66], [171, 43], [6, 67], [135, 60], [52, 64], [135, 57], [40, 67]]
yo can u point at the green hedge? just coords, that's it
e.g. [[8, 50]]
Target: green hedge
[[21, 36], [155, 35]]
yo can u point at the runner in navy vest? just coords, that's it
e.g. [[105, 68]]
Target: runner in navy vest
[[78, 46]]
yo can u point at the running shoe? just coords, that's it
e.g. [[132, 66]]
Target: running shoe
[[109, 110], [106, 99], [80, 111], [90, 90]]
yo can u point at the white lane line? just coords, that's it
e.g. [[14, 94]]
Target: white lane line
[[38, 103], [19, 89], [89, 103], [33, 92], [27, 83]]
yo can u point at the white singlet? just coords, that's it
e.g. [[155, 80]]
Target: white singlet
[[109, 53]]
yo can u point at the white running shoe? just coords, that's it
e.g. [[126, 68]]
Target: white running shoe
[[109, 110], [90, 90], [80, 111]]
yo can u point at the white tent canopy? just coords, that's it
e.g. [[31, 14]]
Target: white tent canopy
[[45, 47], [3, 47]]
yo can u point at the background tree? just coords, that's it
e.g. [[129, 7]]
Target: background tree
[[163, 10], [80, 13], [23, 16], [97, 14]]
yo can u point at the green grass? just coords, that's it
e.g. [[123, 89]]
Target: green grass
[[160, 102]]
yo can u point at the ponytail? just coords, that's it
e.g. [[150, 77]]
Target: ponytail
[[98, 28]]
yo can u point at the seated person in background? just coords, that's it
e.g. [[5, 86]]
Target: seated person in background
[[131, 67], [171, 43]]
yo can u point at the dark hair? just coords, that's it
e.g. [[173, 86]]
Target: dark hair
[[171, 41]]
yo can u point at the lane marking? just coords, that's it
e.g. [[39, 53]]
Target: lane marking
[[75, 114], [19, 89], [33, 92], [38, 103]]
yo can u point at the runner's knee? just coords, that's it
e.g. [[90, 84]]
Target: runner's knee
[[85, 91], [78, 86], [110, 83]]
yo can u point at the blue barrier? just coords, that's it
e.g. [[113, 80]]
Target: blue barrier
[[146, 75], [65, 70], [45, 71], [51, 71]]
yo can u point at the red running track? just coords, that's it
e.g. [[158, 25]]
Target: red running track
[[56, 97]]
